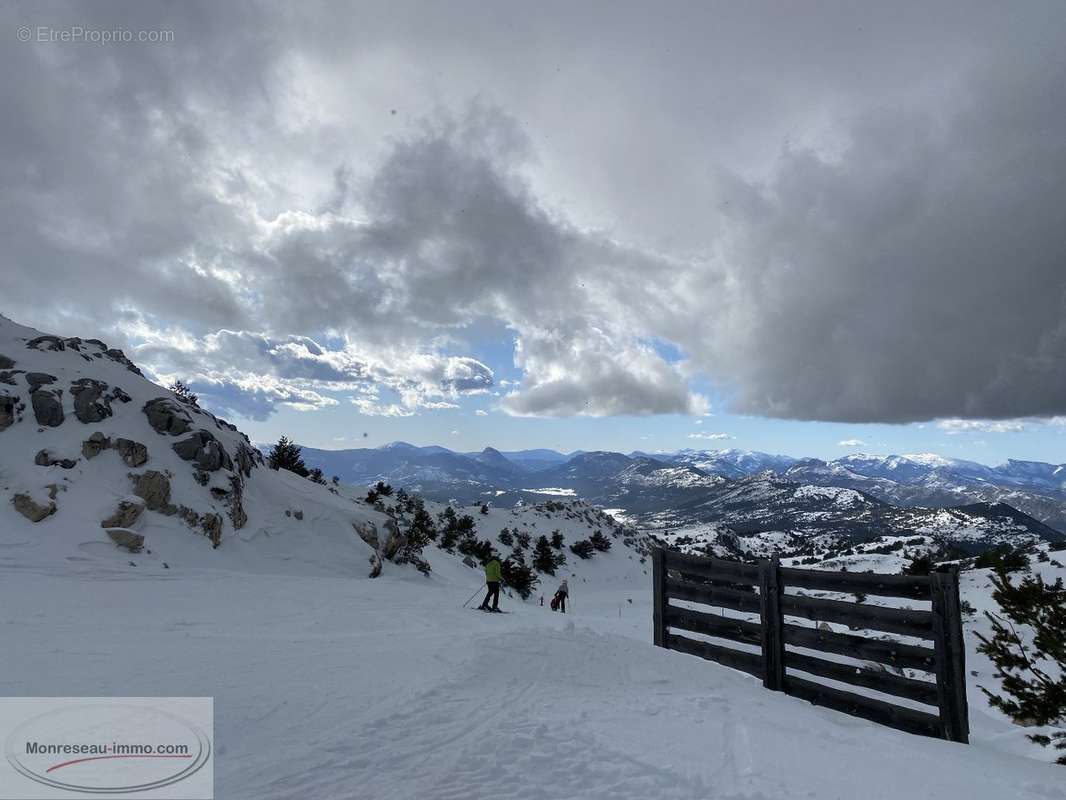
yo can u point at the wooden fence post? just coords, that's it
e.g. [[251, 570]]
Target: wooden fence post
[[950, 656], [658, 577], [773, 641]]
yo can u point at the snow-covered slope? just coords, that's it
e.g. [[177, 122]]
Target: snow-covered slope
[[85, 439], [390, 689]]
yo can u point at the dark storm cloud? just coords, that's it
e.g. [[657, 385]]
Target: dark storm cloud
[[832, 212], [920, 274]]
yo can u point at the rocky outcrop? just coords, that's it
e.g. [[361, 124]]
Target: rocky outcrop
[[154, 488], [8, 376], [31, 509], [395, 540], [128, 539], [167, 416], [119, 395], [90, 402], [48, 407], [247, 459], [95, 445], [133, 454], [127, 513], [212, 528], [5, 362], [35, 380], [235, 503], [46, 342], [375, 565], [8, 405], [203, 448], [119, 357], [44, 458], [368, 532]]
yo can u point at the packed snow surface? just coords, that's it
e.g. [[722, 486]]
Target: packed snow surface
[[348, 687]]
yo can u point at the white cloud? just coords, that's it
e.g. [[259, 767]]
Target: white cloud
[[956, 426], [710, 436], [481, 412], [851, 443]]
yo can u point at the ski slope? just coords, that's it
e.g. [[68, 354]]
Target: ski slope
[[346, 687]]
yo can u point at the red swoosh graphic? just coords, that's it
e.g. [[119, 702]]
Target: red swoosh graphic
[[100, 758]]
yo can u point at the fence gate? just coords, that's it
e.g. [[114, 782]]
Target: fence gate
[[760, 589]]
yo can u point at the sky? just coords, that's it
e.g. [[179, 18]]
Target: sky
[[810, 229]]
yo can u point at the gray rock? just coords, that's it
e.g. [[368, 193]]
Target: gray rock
[[166, 415], [128, 539], [31, 509], [132, 453], [212, 527], [154, 488], [46, 343], [48, 407], [5, 362], [125, 515], [90, 403], [121, 396], [8, 376], [299, 515], [375, 565], [247, 459], [94, 445], [44, 458], [237, 515], [368, 532], [203, 448], [7, 411], [469, 561], [394, 542], [36, 380], [189, 516], [118, 356]]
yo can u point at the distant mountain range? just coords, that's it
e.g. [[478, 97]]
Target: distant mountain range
[[744, 489]]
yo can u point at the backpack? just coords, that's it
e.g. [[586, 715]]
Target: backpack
[[555, 603]]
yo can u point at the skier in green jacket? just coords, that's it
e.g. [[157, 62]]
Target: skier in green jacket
[[492, 580]]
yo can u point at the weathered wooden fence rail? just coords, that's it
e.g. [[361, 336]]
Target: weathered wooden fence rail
[[759, 589]]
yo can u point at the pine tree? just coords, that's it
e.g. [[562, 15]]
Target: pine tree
[[519, 577], [315, 476], [920, 565], [600, 542], [557, 540], [1032, 693], [505, 538], [1003, 559], [422, 528], [583, 549], [184, 393], [543, 557], [484, 508], [286, 454]]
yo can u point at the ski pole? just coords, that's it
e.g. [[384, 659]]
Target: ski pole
[[475, 594]]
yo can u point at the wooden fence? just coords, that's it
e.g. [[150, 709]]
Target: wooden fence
[[759, 589]]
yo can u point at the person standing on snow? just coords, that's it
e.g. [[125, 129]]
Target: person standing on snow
[[492, 581], [561, 594]]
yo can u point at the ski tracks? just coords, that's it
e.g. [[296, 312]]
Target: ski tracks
[[514, 722]]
